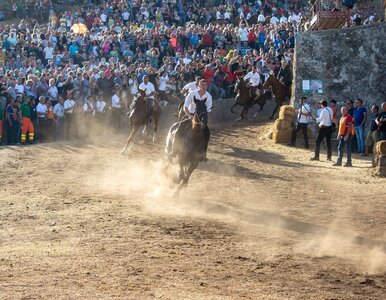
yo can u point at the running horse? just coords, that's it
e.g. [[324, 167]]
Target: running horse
[[278, 90], [185, 141], [244, 98], [138, 117]]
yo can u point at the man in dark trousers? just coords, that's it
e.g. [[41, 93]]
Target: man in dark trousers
[[304, 114], [325, 131]]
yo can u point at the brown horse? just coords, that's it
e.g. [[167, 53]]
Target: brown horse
[[278, 90], [188, 144], [138, 117], [244, 98]]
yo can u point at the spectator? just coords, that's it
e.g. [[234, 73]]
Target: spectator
[[381, 122], [345, 134], [304, 114], [325, 130], [360, 116], [373, 134]]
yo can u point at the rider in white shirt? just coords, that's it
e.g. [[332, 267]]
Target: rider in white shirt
[[254, 80], [149, 89], [200, 94]]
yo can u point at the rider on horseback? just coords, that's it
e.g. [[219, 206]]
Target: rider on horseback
[[200, 95], [148, 87], [190, 108], [254, 81]]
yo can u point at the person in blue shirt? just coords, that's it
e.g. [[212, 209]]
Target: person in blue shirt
[[360, 116]]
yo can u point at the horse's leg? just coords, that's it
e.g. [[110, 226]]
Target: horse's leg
[[155, 128], [192, 166], [130, 139], [275, 110], [244, 112]]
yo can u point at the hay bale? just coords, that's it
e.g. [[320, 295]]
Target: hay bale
[[282, 136], [282, 124], [380, 148], [287, 112]]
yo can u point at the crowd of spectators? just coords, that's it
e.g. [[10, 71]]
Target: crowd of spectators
[[172, 42]]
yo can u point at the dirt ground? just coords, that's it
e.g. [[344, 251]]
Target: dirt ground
[[258, 221]]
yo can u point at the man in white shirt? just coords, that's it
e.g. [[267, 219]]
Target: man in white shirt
[[273, 20], [261, 18], [304, 114], [48, 52], [116, 110], [243, 33], [201, 95], [149, 89], [325, 131], [59, 119], [227, 16], [125, 16], [69, 123], [42, 110], [254, 80]]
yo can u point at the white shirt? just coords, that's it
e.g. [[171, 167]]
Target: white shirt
[[162, 82], [115, 101], [125, 15], [191, 106], [59, 110], [227, 16], [254, 78], [190, 87], [273, 20], [41, 109], [283, 19], [149, 87], [325, 118], [19, 88], [218, 16], [103, 18], [304, 109], [69, 104], [48, 52], [261, 18], [243, 33]]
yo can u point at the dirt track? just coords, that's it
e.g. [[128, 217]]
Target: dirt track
[[258, 221]]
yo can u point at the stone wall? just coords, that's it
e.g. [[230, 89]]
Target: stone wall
[[350, 62]]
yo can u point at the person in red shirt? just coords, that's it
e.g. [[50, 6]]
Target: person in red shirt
[[252, 38], [208, 76], [345, 134]]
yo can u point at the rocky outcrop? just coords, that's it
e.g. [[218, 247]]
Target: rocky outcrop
[[350, 62]]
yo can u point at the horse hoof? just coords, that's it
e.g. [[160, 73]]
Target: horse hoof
[[123, 152], [255, 115]]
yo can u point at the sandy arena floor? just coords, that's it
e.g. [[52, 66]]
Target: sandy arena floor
[[258, 221]]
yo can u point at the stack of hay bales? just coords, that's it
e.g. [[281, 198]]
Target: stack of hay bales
[[282, 127], [379, 161]]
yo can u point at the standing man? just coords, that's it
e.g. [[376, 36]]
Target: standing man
[[26, 121], [304, 114], [381, 122], [345, 134], [11, 121], [373, 135], [42, 111], [116, 108], [360, 116], [59, 119], [325, 131], [148, 87]]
